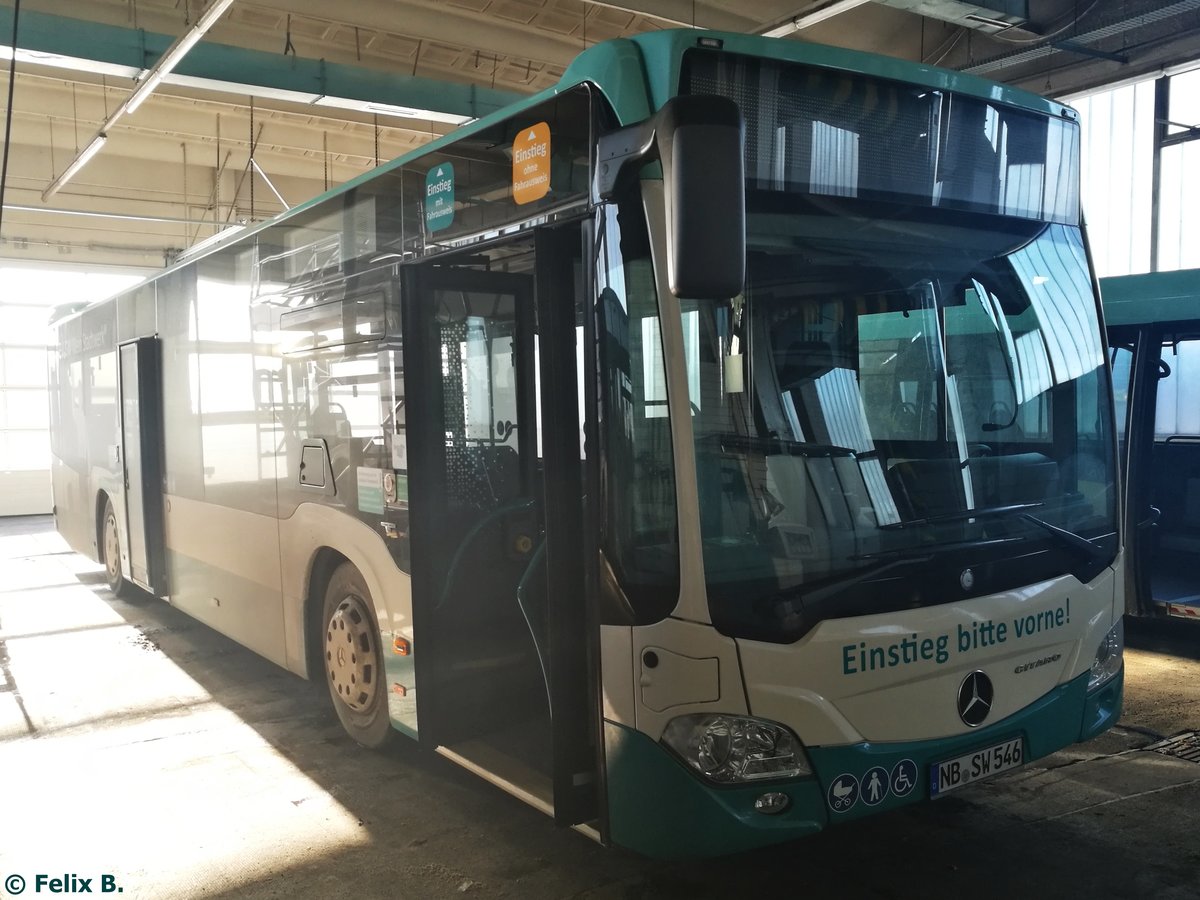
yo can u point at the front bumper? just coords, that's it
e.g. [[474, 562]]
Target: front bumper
[[659, 808]]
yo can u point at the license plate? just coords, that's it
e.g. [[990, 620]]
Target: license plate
[[952, 774]]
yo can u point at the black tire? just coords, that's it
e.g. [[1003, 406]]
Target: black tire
[[353, 659], [110, 553]]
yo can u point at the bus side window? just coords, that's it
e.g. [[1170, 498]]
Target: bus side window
[[1176, 454], [1121, 359], [642, 542]]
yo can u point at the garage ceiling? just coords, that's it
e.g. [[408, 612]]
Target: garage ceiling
[[282, 98]]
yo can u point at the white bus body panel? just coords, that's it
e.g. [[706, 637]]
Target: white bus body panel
[[246, 575], [917, 700], [223, 568], [694, 669], [823, 686], [313, 526]]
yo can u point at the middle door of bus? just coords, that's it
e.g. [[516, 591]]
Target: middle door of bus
[[496, 520]]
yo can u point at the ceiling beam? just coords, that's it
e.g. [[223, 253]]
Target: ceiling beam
[[438, 22], [63, 42], [146, 84]]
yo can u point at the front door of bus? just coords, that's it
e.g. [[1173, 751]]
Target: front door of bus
[[496, 524], [1153, 368]]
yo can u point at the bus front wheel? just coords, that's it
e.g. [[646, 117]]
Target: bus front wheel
[[353, 661], [112, 553]]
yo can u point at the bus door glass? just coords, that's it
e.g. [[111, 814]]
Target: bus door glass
[[495, 447], [475, 496], [1171, 550], [1129, 400]]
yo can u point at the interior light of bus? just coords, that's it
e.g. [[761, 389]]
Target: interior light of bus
[[401, 646], [730, 749]]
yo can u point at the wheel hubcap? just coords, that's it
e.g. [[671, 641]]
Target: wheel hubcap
[[112, 549], [350, 654]]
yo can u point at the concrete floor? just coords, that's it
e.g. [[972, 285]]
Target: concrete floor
[[137, 743]]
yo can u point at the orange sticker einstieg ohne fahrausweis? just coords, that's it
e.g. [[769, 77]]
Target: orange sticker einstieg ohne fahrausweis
[[531, 163]]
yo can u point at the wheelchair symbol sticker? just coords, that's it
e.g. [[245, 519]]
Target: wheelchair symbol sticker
[[843, 793], [904, 777]]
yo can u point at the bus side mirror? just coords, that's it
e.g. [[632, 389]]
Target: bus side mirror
[[698, 140]]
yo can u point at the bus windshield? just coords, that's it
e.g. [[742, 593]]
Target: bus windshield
[[894, 412]]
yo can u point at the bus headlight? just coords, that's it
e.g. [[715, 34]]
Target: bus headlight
[[728, 749], [1109, 656]]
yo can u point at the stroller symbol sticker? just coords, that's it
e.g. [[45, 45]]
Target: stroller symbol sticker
[[843, 793]]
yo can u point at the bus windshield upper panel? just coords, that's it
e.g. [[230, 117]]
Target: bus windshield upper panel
[[906, 406], [830, 133]]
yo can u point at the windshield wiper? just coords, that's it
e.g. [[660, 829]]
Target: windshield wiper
[[887, 563], [1069, 539], [981, 512], [922, 550]]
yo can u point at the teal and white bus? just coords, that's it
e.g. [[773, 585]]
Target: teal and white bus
[[1154, 344], [713, 448]]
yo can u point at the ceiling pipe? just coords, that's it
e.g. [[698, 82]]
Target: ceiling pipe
[[1122, 26], [148, 81], [270, 184]]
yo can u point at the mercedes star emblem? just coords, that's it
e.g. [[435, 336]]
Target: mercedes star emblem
[[975, 698]]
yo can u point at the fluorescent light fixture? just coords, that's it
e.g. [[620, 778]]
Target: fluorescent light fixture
[[144, 89], [242, 88], [78, 163], [175, 54], [636, 10], [828, 11], [388, 109], [990, 22]]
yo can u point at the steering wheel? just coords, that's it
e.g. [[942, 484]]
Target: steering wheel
[[906, 417], [1000, 414]]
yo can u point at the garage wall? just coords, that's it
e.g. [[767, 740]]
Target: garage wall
[[28, 295]]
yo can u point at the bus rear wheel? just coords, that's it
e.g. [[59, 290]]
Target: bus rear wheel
[[111, 553], [353, 659]]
